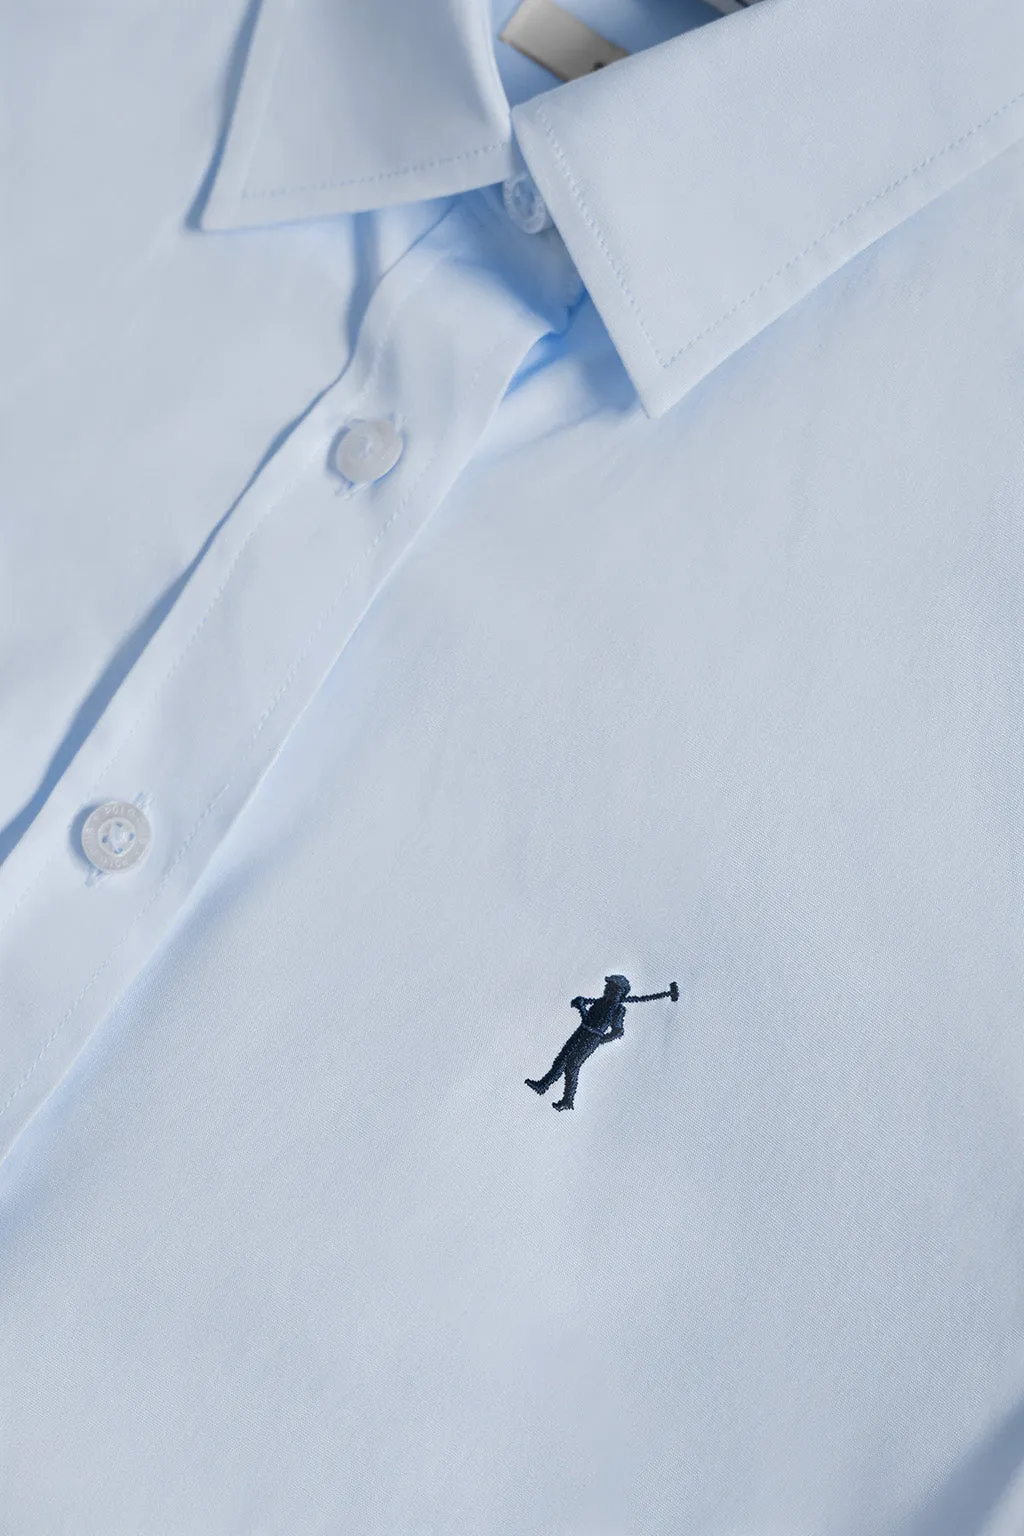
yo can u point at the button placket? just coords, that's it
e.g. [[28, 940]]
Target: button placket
[[207, 707]]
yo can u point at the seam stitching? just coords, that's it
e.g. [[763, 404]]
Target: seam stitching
[[666, 362], [355, 181], [577, 196]]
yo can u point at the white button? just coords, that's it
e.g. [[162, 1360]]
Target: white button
[[524, 204], [116, 836], [368, 450]]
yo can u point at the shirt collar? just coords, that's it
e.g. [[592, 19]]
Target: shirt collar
[[703, 187]]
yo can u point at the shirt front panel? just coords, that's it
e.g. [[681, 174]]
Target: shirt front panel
[[732, 697]]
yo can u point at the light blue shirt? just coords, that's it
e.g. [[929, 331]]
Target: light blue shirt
[[465, 538]]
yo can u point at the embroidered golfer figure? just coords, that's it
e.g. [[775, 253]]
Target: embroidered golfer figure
[[600, 1021]]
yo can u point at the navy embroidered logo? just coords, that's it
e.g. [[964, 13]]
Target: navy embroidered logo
[[601, 1020]]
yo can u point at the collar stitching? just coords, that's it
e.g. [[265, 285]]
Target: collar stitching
[[666, 362], [353, 181]]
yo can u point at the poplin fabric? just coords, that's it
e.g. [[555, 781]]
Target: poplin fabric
[[682, 642]]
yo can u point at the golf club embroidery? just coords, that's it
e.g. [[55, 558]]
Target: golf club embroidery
[[601, 1020]]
